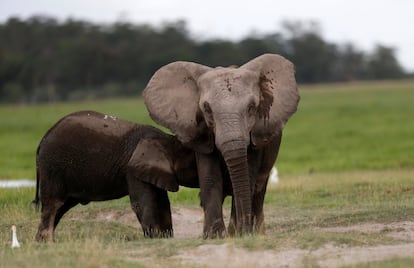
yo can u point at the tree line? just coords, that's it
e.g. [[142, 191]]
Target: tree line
[[43, 59]]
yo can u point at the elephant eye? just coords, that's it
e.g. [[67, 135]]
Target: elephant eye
[[251, 109], [208, 114], [207, 108]]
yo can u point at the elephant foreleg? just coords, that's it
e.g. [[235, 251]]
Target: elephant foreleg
[[260, 163], [257, 206], [211, 195], [231, 230], [152, 207]]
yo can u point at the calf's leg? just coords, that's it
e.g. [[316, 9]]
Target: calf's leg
[[152, 207], [69, 203], [46, 229]]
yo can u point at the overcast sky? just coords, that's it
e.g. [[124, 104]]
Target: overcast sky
[[362, 22]]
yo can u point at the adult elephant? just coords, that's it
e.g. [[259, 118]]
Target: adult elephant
[[236, 114]]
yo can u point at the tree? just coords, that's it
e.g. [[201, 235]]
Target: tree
[[350, 64], [313, 57], [42, 59], [383, 64]]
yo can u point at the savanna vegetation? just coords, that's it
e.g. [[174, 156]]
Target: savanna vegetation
[[346, 161]]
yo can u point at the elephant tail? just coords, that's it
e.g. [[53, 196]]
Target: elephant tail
[[35, 202]]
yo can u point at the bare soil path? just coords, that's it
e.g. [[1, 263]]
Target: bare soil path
[[188, 223]]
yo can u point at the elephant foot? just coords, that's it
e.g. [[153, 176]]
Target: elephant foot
[[259, 226], [260, 229], [157, 233], [44, 236], [231, 230], [217, 230]]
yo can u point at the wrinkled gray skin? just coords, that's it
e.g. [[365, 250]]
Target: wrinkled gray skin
[[89, 156], [231, 116]]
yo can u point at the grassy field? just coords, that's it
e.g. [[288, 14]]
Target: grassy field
[[346, 161], [337, 128], [22, 128]]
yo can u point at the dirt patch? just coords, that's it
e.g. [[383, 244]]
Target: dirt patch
[[331, 256], [188, 223], [228, 255], [398, 230]]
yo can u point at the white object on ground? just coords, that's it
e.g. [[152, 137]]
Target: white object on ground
[[273, 177], [15, 242], [17, 183]]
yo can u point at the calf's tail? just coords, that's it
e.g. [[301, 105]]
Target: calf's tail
[[35, 202]]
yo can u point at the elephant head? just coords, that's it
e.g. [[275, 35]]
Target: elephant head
[[230, 108]]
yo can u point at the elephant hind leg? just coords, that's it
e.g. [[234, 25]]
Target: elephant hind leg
[[69, 203], [152, 207], [45, 232]]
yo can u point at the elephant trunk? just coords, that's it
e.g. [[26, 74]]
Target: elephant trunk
[[235, 156]]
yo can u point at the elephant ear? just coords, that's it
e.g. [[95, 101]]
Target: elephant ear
[[151, 162], [172, 99], [279, 98]]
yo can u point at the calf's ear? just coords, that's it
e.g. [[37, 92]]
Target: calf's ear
[[151, 163]]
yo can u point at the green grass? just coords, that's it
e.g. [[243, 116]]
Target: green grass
[[347, 158], [297, 210], [337, 127], [362, 127], [22, 128]]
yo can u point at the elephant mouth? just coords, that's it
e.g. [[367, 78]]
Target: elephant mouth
[[203, 143], [252, 144]]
